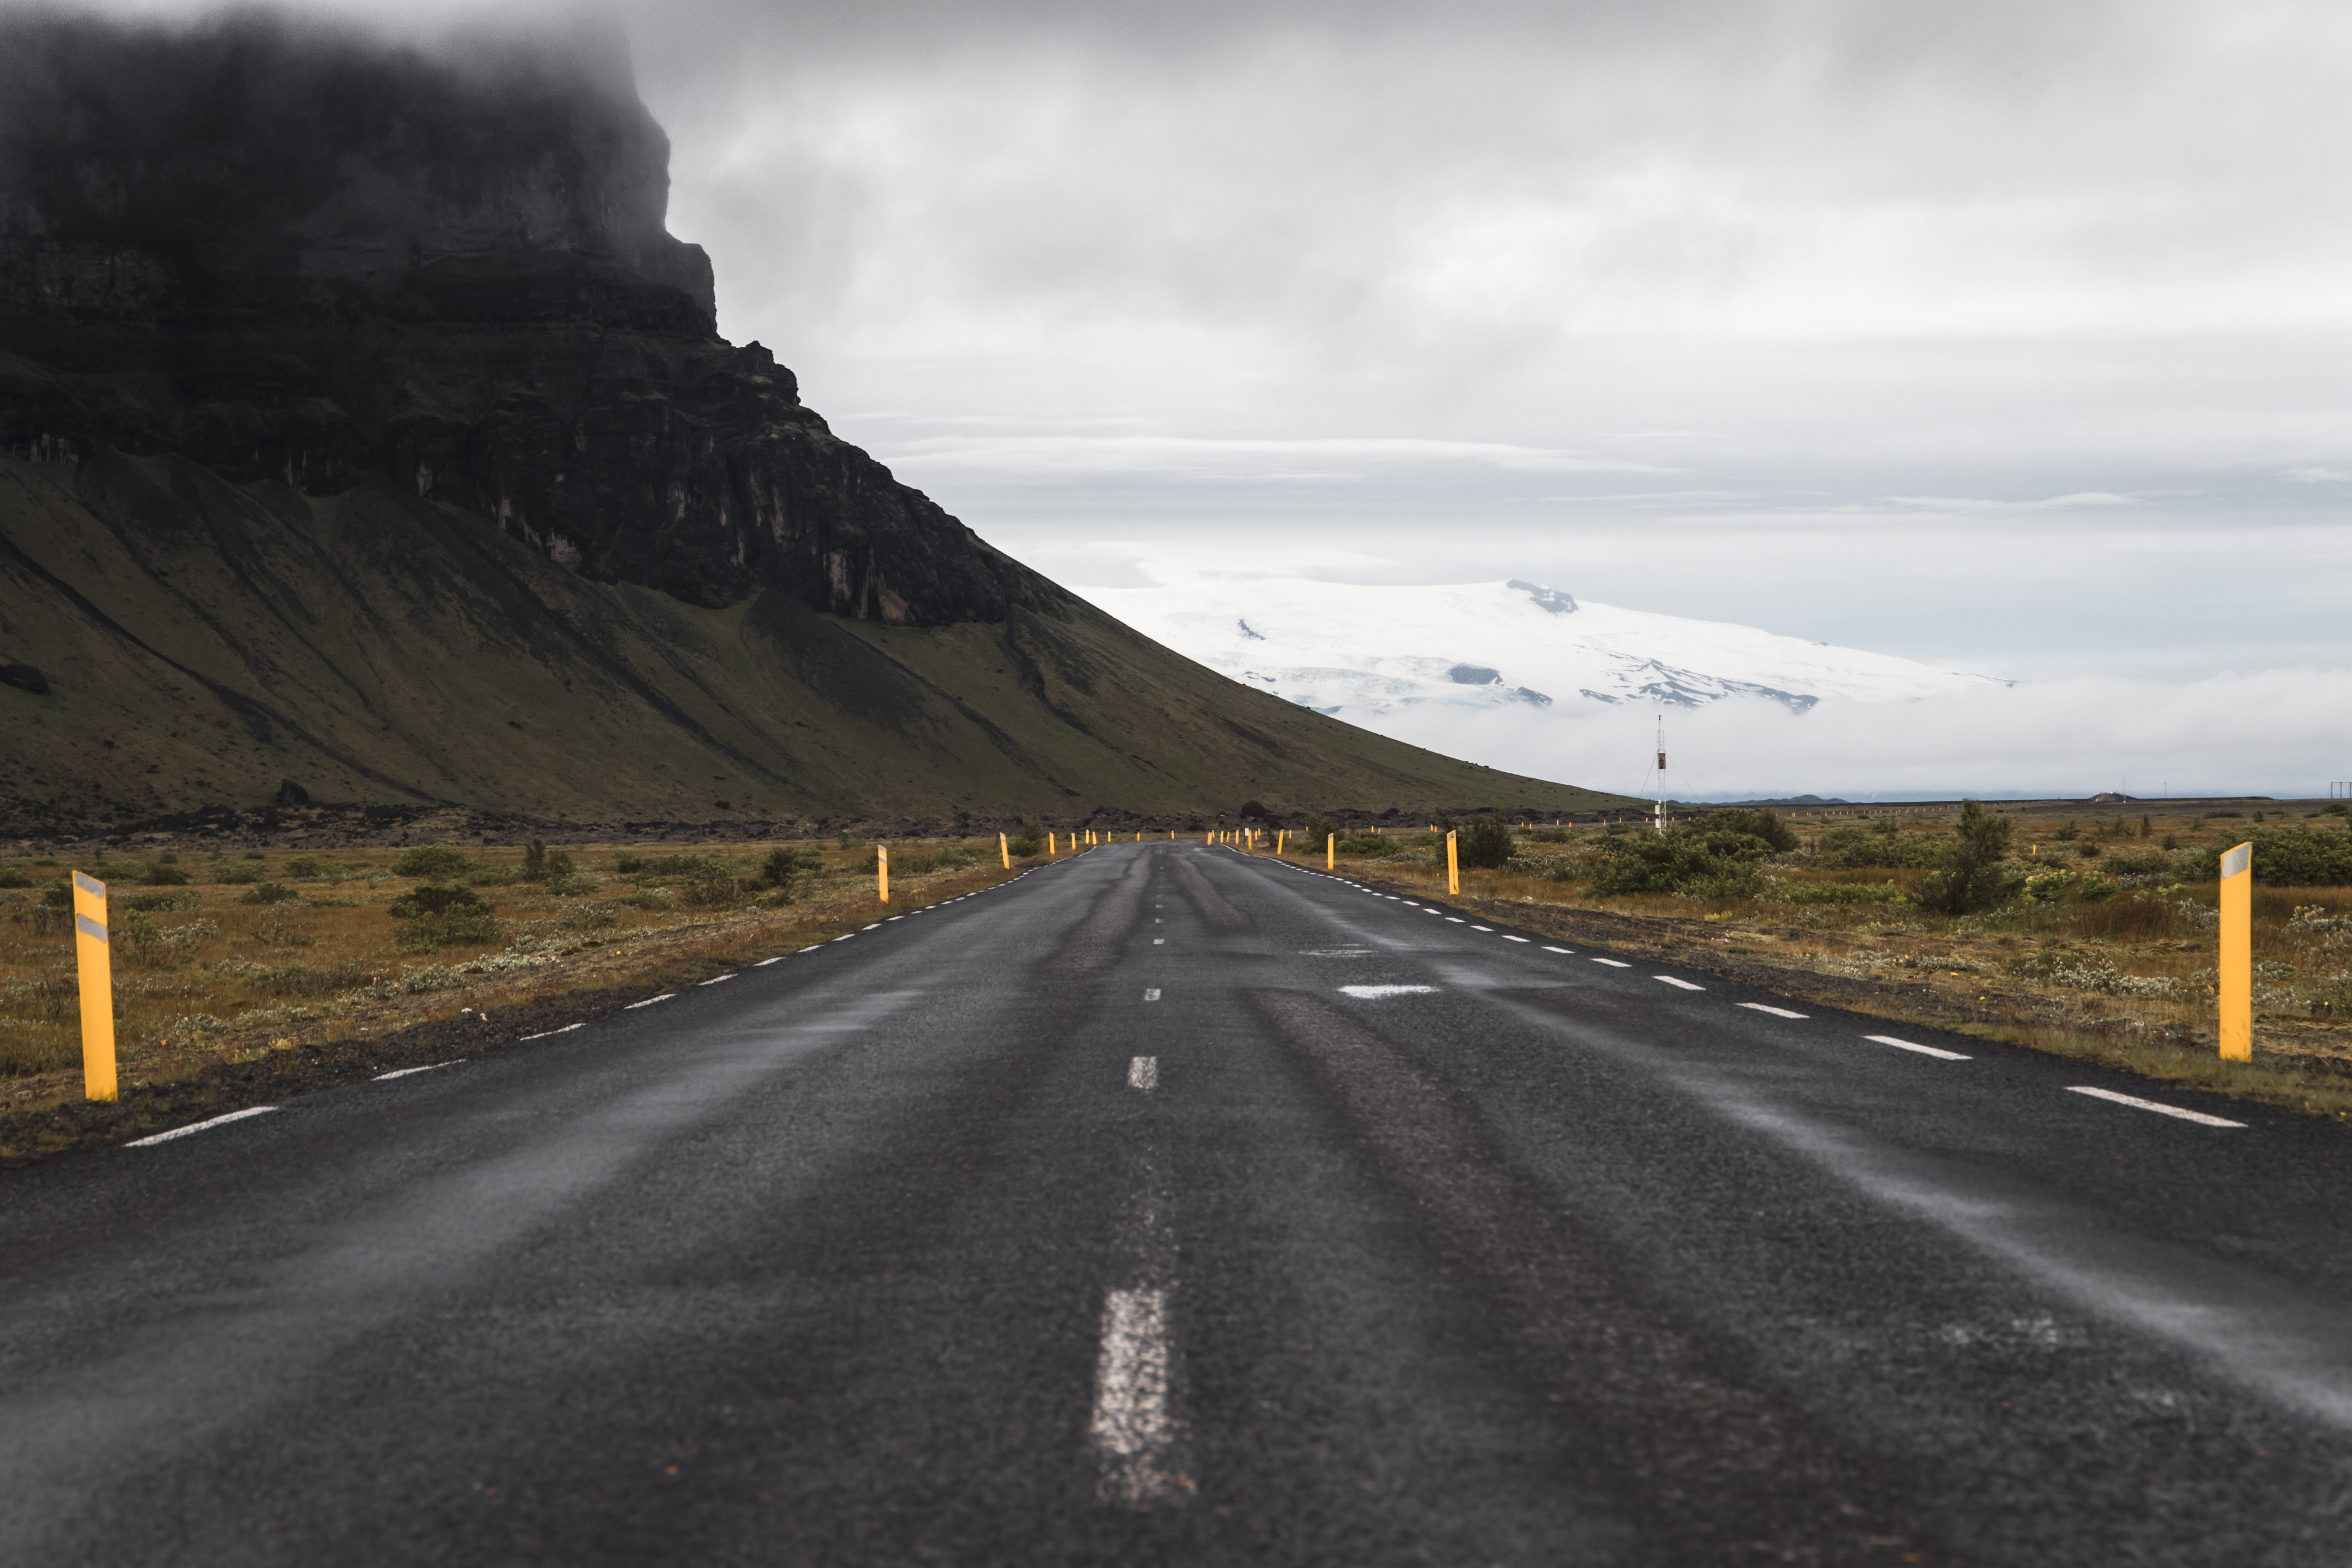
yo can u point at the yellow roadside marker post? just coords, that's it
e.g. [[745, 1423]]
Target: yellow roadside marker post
[[1277, 840], [1005, 850], [92, 958], [1331, 852], [1453, 866], [1049, 845], [882, 870], [2236, 975]]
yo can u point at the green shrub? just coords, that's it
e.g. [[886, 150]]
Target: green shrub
[[1680, 862], [436, 916], [1970, 876], [2297, 856], [541, 864], [1768, 826], [1487, 846], [779, 873], [1319, 830], [14, 876], [167, 901], [1832, 893], [2068, 833], [2046, 887], [712, 891], [1860, 849], [156, 874], [271, 893], [1375, 846], [2145, 863], [237, 874], [434, 862], [2088, 850], [2094, 887]]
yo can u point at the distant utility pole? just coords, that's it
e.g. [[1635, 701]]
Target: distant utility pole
[[1659, 820]]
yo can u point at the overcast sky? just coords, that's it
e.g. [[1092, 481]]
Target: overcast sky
[[2010, 336], [2006, 336]]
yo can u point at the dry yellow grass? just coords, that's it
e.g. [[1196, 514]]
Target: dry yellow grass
[[205, 973], [2124, 979]]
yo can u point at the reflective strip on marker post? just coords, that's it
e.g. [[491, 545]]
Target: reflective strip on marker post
[[2235, 975], [94, 964]]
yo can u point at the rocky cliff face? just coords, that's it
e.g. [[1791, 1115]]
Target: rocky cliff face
[[290, 255]]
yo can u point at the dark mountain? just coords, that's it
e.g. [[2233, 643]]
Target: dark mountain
[[365, 427]]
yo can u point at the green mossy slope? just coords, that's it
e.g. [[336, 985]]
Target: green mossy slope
[[203, 641]]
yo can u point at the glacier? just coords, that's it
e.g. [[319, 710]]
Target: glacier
[[1375, 655]]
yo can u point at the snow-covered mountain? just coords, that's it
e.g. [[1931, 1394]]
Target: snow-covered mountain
[[1374, 655]]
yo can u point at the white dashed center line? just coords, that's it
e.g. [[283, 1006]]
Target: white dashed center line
[[778, 959], [200, 1126], [1143, 1073], [1776, 1012], [2198, 1117], [1153, 994], [1157, 941], [404, 1072], [1374, 992], [1679, 984], [717, 978], [650, 1001], [1132, 1428], [567, 1028], [1943, 1056]]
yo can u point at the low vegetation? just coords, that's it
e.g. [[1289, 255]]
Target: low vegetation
[[219, 954], [2092, 935]]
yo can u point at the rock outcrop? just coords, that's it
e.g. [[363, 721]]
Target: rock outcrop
[[300, 257], [365, 434]]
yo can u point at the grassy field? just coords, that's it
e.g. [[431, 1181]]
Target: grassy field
[[226, 957], [2103, 947]]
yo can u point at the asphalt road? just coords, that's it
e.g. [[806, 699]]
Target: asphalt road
[[1170, 1205]]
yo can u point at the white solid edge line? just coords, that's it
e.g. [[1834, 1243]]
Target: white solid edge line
[[1569, 951], [567, 1028], [2197, 1116], [200, 1126], [1776, 1012], [1612, 964], [1680, 985], [1935, 1051], [650, 1001], [436, 1067]]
